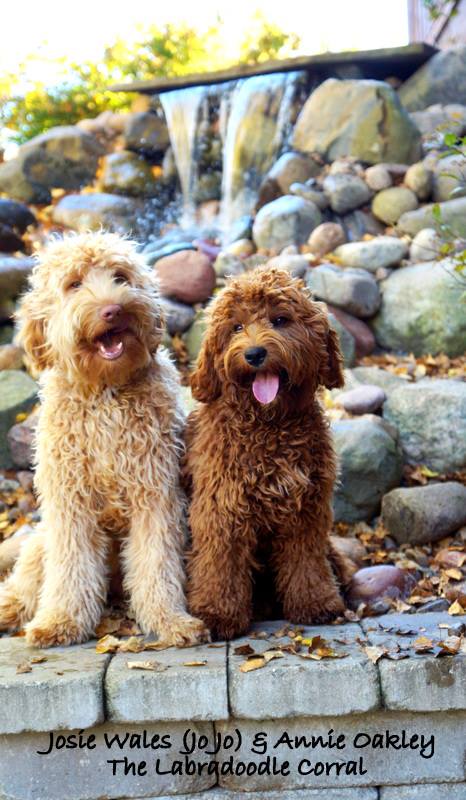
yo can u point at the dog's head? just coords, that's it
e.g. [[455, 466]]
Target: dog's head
[[267, 342], [92, 310]]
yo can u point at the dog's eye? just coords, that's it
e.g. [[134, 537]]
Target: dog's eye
[[120, 277], [74, 285], [237, 328], [279, 322]]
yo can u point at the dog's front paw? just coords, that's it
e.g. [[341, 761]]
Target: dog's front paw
[[183, 630], [318, 612], [12, 610], [225, 628], [52, 628]]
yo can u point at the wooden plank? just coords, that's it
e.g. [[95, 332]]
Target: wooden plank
[[403, 60]]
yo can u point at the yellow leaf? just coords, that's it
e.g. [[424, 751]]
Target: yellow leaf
[[108, 644], [429, 473], [21, 416], [252, 664], [454, 574], [195, 663], [456, 609], [131, 645]]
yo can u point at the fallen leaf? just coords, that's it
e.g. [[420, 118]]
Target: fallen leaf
[[38, 659], [108, 644], [23, 667], [375, 653], [456, 609], [195, 663], [454, 573], [422, 644], [252, 664], [450, 646], [152, 666], [270, 655], [132, 645], [244, 650]]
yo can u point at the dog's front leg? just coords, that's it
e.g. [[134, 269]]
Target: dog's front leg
[[220, 571], [305, 580], [154, 573], [75, 581]]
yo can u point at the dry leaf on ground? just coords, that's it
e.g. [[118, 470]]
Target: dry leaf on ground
[[150, 666]]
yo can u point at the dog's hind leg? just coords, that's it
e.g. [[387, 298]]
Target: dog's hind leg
[[75, 573], [19, 593]]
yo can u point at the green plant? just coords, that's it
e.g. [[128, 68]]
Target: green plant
[[82, 90]]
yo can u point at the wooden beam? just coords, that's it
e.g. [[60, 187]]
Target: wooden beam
[[410, 58]]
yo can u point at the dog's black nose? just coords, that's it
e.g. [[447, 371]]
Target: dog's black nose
[[255, 356], [109, 313]]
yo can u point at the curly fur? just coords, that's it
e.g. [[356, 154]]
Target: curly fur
[[108, 447], [262, 476]]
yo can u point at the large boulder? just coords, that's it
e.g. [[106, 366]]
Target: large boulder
[[128, 174], [291, 168], [21, 441], [186, 276], [354, 290], [178, 316], [194, 337], [346, 340], [14, 274], [360, 118], [287, 220], [370, 465], [447, 176], [146, 133], [64, 157], [452, 213], [18, 393], [346, 192], [431, 420], [436, 119], [364, 339], [325, 238], [422, 310], [16, 215], [83, 212], [442, 79], [423, 514], [389, 204], [384, 251], [15, 182]]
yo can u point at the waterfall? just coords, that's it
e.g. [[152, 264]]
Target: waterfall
[[253, 117], [182, 109], [258, 122]]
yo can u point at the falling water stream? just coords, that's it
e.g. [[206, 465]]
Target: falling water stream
[[254, 118], [260, 109], [182, 109]]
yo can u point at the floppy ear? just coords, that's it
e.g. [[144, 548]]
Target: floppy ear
[[32, 334], [205, 383], [331, 373]]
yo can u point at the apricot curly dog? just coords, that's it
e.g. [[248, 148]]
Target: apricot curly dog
[[108, 447], [260, 459]]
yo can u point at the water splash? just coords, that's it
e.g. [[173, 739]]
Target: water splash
[[258, 122], [183, 109]]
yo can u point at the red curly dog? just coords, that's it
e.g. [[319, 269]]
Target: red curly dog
[[260, 459]]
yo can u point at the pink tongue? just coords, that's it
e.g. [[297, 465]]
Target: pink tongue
[[265, 387]]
